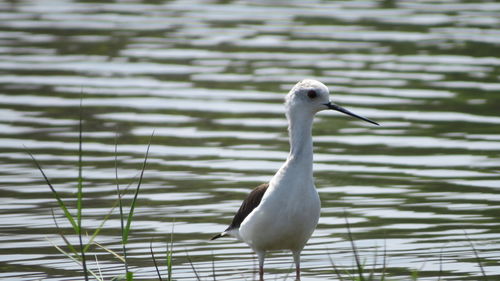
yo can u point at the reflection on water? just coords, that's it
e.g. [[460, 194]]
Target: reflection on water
[[209, 77]]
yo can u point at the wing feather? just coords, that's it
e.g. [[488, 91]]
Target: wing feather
[[249, 204]]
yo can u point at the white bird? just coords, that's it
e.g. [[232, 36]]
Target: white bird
[[282, 214]]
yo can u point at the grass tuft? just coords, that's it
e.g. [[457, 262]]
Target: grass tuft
[[76, 225], [79, 256]]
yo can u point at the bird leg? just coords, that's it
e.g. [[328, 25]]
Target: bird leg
[[296, 258], [262, 256]]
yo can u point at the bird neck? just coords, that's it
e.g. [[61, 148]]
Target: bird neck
[[300, 131], [296, 173]]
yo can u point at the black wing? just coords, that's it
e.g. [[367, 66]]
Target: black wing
[[251, 202]]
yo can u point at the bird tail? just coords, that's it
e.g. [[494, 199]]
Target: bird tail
[[222, 234]]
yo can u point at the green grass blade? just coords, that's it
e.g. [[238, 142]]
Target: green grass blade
[[440, 264], [118, 186], [98, 230], [122, 229], [384, 263], [478, 259], [61, 204], [154, 260], [73, 259], [105, 219], [372, 272], [335, 269], [70, 247], [110, 251], [354, 249], [169, 262], [213, 267], [192, 267], [79, 204], [170, 251], [98, 267], [134, 201], [414, 275]]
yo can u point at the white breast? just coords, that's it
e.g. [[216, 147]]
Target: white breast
[[287, 214]]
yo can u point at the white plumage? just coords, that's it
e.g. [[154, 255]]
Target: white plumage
[[283, 214]]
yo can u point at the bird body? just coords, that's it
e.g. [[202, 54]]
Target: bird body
[[279, 222], [283, 214]]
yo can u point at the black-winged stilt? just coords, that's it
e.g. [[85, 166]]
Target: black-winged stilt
[[282, 214]]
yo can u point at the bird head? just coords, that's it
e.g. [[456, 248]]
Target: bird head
[[311, 96]]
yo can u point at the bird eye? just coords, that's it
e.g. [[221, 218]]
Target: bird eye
[[312, 94]]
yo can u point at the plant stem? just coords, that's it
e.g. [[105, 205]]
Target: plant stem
[[354, 249], [80, 191], [120, 204], [154, 260]]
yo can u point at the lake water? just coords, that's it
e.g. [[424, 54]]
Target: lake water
[[209, 77]]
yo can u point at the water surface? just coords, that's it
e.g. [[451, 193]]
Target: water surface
[[209, 77]]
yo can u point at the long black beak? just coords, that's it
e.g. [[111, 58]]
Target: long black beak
[[343, 110]]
